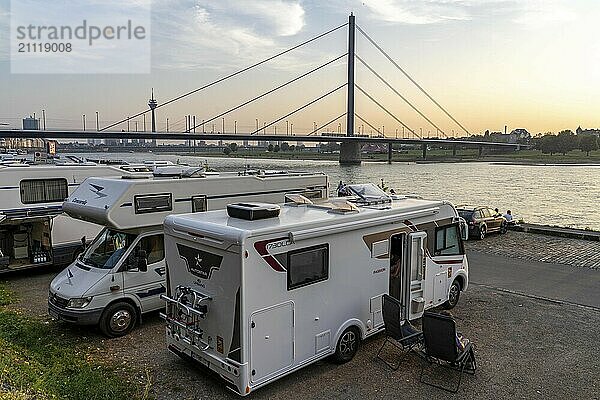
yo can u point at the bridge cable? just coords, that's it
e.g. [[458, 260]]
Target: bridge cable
[[411, 79], [399, 95], [230, 75], [386, 110], [327, 123], [266, 93], [300, 108], [367, 122]]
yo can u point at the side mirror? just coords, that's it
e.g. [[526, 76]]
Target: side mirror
[[83, 242], [142, 261], [464, 229]]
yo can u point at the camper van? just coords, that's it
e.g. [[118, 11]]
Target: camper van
[[258, 291], [121, 273], [34, 232]]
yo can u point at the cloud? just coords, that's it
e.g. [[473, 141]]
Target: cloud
[[533, 13], [541, 13], [421, 12], [192, 33]]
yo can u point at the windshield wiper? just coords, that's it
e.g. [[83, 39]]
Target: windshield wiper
[[89, 262]]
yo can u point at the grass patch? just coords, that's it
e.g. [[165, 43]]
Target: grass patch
[[39, 361]]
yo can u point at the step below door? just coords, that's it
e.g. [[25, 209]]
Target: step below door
[[272, 341]]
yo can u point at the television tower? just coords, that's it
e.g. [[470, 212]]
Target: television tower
[[152, 103]]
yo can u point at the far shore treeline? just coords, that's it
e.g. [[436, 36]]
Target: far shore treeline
[[566, 141]]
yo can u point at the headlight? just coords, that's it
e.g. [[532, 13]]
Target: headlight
[[79, 303]]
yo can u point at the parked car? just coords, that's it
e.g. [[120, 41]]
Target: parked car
[[482, 220]]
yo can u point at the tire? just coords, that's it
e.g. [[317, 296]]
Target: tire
[[118, 319], [453, 296], [503, 228], [347, 345], [482, 232]]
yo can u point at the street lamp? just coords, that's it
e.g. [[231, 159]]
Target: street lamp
[[287, 127], [235, 126], [256, 125], [291, 129]]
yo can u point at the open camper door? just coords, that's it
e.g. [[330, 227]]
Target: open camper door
[[407, 272]]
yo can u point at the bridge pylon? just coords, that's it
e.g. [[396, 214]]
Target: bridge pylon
[[350, 151]]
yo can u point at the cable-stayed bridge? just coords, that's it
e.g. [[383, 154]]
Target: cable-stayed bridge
[[350, 141]]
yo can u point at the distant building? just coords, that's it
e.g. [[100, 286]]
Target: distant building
[[31, 124], [584, 132], [112, 142]]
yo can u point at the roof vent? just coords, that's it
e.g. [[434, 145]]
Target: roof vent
[[253, 211], [194, 172]]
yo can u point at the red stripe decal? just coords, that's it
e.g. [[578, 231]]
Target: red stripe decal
[[261, 248]]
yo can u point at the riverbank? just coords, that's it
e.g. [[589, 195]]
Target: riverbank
[[584, 234], [523, 157]]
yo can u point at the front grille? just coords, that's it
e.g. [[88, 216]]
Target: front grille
[[57, 300]]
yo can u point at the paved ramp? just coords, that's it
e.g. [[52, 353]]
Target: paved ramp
[[553, 281]]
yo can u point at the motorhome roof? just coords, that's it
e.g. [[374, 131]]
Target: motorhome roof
[[292, 217], [119, 203], [213, 175]]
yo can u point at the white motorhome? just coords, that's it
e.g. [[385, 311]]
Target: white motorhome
[[255, 294], [33, 229], [120, 275]]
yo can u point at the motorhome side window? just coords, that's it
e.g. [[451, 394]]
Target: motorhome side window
[[199, 203], [44, 190], [447, 241], [149, 203], [153, 246], [307, 266]]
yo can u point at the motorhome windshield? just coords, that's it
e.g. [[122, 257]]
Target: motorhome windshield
[[368, 192], [108, 247]]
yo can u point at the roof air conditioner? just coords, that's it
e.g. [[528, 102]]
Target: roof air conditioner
[[253, 211]]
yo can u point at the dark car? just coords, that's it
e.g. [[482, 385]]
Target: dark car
[[482, 220]]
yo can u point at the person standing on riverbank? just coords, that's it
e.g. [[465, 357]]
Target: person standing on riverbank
[[508, 216]]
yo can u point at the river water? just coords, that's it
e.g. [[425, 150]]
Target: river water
[[545, 194]]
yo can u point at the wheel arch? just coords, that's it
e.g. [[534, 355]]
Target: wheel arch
[[353, 322], [462, 280]]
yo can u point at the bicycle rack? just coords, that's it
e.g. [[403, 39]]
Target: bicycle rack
[[184, 313]]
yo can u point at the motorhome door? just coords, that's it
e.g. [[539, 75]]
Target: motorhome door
[[272, 341], [148, 285], [407, 272]]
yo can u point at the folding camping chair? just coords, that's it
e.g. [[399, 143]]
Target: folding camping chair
[[398, 332], [440, 348]]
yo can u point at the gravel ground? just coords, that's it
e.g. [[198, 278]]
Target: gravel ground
[[536, 247], [526, 348]]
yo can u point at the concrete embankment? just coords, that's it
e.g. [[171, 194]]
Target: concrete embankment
[[572, 233], [540, 248]]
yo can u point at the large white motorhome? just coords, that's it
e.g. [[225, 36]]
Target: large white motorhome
[[255, 293], [120, 275], [33, 229]]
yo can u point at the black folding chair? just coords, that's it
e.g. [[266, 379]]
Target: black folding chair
[[398, 332], [440, 348]]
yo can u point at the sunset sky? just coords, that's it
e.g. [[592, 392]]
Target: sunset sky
[[531, 64]]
